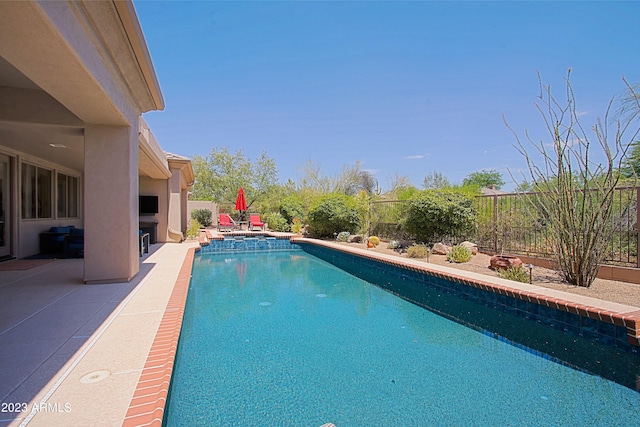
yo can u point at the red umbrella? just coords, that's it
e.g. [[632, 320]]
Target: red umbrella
[[241, 202]]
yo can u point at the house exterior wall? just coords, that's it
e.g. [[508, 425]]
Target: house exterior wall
[[203, 204], [156, 187], [79, 74], [175, 210], [25, 232]]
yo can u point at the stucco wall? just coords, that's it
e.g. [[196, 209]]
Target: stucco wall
[[156, 187], [203, 204], [30, 233], [28, 239]]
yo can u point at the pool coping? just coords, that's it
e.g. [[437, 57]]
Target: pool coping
[[150, 396], [147, 406]]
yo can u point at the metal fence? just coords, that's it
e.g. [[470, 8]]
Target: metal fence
[[509, 223], [387, 218]]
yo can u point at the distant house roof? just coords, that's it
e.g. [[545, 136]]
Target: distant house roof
[[491, 191]]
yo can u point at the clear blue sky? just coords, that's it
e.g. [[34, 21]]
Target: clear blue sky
[[403, 87]]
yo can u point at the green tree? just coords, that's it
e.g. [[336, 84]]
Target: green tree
[[631, 165], [203, 216], [524, 187], [435, 215], [435, 181], [292, 207], [313, 179], [400, 188], [484, 178], [220, 174], [333, 213], [350, 181], [629, 107]]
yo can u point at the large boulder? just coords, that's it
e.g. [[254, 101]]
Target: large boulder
[[471, 246], [504, 261], [440, 249]]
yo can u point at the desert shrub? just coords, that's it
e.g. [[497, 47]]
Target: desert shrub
[[203, 216], [333, 213], [277, 222], [436, 215], [517, 274], [459, 254], [296, 227], [362, 202], [575, 194], [291, 207], [417, 251], [193, 228], [343, 236], [375, 241], [393, 244]]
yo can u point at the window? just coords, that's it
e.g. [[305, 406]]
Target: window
[[67, 196], [36, 192]]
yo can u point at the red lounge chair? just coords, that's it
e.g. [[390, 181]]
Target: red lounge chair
[[226, 222], [255, 222]]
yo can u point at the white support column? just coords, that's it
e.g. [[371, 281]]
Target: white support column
[[111, 203]]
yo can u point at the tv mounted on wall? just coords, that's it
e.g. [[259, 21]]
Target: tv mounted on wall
[[148, 205]]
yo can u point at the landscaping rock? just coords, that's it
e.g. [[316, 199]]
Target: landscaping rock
[[471, 246], [505, 261], [440, 249], [393, 244], [356, 238]]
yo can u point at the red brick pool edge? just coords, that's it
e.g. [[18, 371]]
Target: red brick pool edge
[[149, 399]]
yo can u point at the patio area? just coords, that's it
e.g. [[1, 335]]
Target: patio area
[[79, 349]]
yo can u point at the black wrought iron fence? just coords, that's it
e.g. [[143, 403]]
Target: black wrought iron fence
[[387, 218], [510, 223], [623, 245]]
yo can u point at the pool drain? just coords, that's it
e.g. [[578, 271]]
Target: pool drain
[[94, 377]]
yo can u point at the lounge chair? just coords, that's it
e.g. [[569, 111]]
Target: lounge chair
[[225, 222], [255, 222]]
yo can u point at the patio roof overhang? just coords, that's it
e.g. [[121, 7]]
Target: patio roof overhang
[[58, 74]]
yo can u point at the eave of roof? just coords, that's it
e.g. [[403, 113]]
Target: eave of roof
[[131, 25]]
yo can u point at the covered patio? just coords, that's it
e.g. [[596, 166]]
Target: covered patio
[[74, 351], [75, 79]]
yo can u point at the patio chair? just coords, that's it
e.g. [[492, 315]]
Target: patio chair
[[255, 221], [225, 222]]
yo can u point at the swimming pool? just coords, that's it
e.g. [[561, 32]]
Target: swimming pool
[[284, 338]]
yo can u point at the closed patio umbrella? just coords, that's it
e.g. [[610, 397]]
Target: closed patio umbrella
[[241, 203]]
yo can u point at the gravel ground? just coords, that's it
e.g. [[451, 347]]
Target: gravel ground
[[610, 290]]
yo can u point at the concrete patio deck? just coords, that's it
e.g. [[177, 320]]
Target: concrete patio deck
[[79, 348]]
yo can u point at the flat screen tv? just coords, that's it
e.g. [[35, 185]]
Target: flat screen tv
[[148, 205]]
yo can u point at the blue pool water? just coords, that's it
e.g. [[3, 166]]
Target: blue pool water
[[286, 339]]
